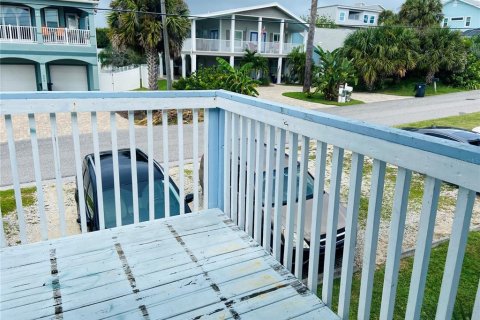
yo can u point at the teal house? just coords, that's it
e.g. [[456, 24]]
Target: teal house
[[462, 15], [48, 45]]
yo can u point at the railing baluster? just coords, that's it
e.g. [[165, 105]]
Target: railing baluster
[[116, 172], [242, 172], [249, 222], [259, 169], [227, 151], [456, 252], [291, 197], [195, 160], [98, 171], [267, 207], [277, 213], [234, 166], [133, 165], [38, 177], [3, 240], [151, 196], [205, 190], [16, 180], [371, 238], [317, 212], [79, 172], [332, 222], [351, 218], [476, 305], [397, 226], [58, 174], [166, 164], [181, 161], [301, 206]]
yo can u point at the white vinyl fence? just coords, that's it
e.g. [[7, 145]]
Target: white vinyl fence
[[123, 80]]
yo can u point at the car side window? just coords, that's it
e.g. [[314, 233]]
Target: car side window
[[439, 136], [89, 200]]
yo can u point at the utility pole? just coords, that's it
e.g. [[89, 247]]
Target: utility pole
[[166, 48], [307, 83]]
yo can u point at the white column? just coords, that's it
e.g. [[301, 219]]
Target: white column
[[193, 58], [232, 35], [305, 36], [38, 25], [279, 70], [232, 61], [221, 45], [93, 32], [184, 70], [160, 59], [171, 67], [282, 36], [43, 76], [259, 34], [194, 35]]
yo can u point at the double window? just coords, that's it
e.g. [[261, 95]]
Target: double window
[[342, 16], [467, 21], [15, 16], [372, 19], [445, 22], [51, 18], [365, 18], [353, 15]]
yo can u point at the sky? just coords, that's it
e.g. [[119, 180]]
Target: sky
[[298, 7]]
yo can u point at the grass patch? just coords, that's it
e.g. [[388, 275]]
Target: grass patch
[[317, 98], [406, 88], [7, 199], [466, 121], [162, 85], [466, 291]]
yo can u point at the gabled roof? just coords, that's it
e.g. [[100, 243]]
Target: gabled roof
[[475, 3], [362, 6], [240, 10]]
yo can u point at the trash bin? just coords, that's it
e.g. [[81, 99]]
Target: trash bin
[[49, 86], [420, 90]]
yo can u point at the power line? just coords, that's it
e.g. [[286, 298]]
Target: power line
[[264, 22]]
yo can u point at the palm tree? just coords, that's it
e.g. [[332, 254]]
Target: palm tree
[[421, 13], [259, 63], [307, 83], [442, 49], [133, 25], [296, 64]]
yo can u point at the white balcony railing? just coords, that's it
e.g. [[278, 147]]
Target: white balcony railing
[[18, 33], [220, 45], [66, 36], [239, 137]]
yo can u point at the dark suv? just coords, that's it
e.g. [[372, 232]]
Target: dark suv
[[126, 194]]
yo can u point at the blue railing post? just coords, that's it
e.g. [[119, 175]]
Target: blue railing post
[[216, 128]]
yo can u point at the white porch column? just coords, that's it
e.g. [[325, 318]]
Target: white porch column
[[232, 61], [43, 76], [232, 36], [93, 32], [194, 35], [171, 67], [184, 70], [160, 60], [279, 70], [194, 62], [38, 25], [305, 36], [282, 37], [259, 34]]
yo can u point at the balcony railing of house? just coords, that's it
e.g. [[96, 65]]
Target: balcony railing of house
[[241, 136], [220, 45], [66, 36], [18, 33]]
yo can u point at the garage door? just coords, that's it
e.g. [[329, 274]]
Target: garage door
[[17, 77], [68, 78]]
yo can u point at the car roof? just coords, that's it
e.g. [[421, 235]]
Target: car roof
[[124, 165], [457, 134]]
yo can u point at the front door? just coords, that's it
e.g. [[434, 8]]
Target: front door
[[72, 21]]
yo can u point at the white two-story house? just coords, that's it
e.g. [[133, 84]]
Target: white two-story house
[[229, 33], [356, 16]]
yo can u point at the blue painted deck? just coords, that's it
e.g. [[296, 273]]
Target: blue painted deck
[[186, 267]]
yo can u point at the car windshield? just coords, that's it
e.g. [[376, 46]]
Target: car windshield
[[309, 191], [126, 201]]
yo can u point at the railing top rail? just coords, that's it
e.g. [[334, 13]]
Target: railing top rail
[[451, 149]]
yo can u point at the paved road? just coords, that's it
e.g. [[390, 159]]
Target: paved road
[[409, 110], [387, 113], [67, 159]]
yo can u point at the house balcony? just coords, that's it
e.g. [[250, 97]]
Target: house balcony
[[26, 34], [224, 46], [19, 34], [232, 257]]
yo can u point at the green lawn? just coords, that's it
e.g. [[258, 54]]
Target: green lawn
[[7, 199], [406, 88], [466, 291], [162, 85], [466, 121], [318, 99]]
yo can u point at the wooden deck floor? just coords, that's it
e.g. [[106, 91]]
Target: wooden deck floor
[[188, 267]]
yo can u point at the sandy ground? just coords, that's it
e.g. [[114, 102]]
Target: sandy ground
[[274, 93]]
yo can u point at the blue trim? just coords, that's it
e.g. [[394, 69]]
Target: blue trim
[[447, 148]]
